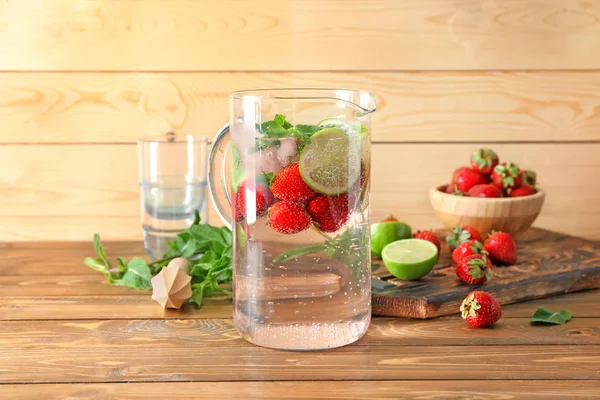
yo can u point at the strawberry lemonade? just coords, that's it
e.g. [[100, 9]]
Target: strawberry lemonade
[[301, 249]]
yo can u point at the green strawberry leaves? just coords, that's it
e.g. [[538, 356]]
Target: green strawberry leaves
[[469, 307], [508, 173], [478, 268], [484, 157], [477, 248], [459, 236], [544, 316]]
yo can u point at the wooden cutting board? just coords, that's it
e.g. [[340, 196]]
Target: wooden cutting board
[[549, 263]]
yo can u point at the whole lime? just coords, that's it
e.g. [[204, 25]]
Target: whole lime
[[384, 233]]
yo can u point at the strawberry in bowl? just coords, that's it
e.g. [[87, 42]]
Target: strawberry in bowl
[[490, 194]]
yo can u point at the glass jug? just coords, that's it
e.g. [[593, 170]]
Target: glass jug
[[290, 175]]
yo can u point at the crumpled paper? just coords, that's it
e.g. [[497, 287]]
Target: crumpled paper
[[171, 287]]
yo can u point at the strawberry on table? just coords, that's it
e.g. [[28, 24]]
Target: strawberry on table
[[461, 234], [521, 191], [501, 248], [289, 218], [507, 175], [481, 309], [253, 197], [430, 237], [485, 190], [467, 178], [475, 269], [289, 185], [483, 161], [466, 249], [331, 212]]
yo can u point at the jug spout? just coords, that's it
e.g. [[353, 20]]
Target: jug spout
[[364, 101]]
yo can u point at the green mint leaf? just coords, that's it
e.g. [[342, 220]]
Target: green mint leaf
[[280, 120], [306, 130], [122, 265], [299, 252], [138, 275], [545, 316], [188, 247], [268, 177], [196, 218], [100, 251], [271, 129], [95, 264], [201, 267], [199, 292], [303, 133]]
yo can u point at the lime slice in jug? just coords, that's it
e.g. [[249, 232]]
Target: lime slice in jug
[[410, 259], [330, 164], [344, 125]]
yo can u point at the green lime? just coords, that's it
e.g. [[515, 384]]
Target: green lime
[[343, 125], [330, 164], [410, 259], [384, 233]]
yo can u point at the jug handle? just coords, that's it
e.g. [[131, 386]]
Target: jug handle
[[216, 176]]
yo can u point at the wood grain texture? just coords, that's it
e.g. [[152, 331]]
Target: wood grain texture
[[105, 307], [142, 306], [197, 361], [414, 106], [346, 390], [127, 334], [549, 263], [41, 188], [308, 35], [513, 215]]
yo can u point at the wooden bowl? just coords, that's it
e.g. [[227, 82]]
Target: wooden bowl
[[508, 214]]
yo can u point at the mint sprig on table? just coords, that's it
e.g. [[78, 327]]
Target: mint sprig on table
[[544, 316], [209, 272]]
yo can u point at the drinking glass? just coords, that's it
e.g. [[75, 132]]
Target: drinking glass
[[290, 175], [172, 175]]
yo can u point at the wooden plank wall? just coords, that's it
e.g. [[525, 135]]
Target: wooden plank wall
[[80, 80]]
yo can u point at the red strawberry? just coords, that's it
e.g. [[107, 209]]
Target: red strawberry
[[467, 179], [289, 185], [483, 161], [288, 218], [466, 249], [474, 269], [529, 177], [507, 175], [252, 197], [461, 234], [456, 173], [430, 237], [331, 212], [481, 309], [521, 191], [389, 218], [485, 190], [501, 248]]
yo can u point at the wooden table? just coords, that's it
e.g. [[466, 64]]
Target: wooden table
[[66, 334]]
